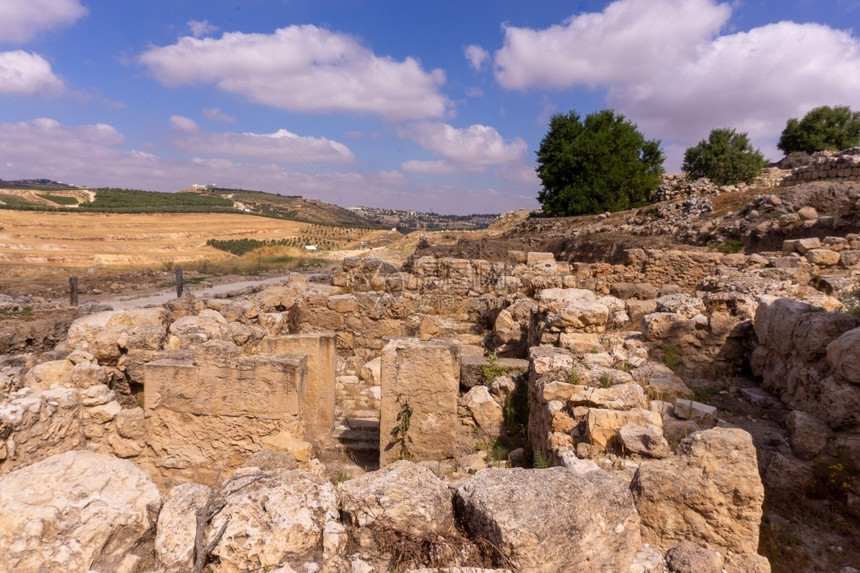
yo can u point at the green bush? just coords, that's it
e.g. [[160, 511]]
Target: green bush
[[822, 128], [600, 164], [726, 158]]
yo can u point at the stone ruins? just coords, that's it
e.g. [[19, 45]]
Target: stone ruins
[[421, 375]]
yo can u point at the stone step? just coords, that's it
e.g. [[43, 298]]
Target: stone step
[[363, 424], [348, 435]]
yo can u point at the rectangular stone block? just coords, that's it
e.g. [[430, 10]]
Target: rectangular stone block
[[426, 376], [319, 389], [259, 386]]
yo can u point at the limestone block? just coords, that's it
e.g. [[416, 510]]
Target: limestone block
[[177, 526], [638, 291], [822, 257], [318, 415], [775, 321], [710, 494], [803, 246], [618, 397], [285, 517], [195, 447], [131, 424], [645, 440], [402, 496], [808, 435], [703, 414], [843, 354], [36, 425], [484, 411], [579, 343], [426, 375], [601, 426], [51, 373], [541, 261], [663, 325], [815, 330], [257, 386], [682, 304], [552, 519], [77, 511], [688, 557]]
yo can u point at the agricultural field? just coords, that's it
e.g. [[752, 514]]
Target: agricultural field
[[78, 239]]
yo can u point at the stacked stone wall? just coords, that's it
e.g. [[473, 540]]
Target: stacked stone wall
[[844, 166]]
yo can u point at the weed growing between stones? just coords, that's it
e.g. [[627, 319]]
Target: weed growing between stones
[[671, 358], [493, 370], [400, 432]]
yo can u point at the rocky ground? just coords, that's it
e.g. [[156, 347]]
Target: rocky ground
[[675, 388]]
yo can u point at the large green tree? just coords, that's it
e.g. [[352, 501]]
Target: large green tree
[[600, 164], [822, 128], [726, 158]]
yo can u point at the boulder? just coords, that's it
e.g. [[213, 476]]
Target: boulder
[[688, 557], [618, 397], [822, 257], [601, 426], [177, 526], [644, 440], [843, 354], [77, 511], [552, 519], [485, 411], [404, 497], [807, 434], [710, 493], [277, 517]]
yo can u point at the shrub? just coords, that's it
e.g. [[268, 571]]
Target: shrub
[[600, 164], [822, 128], [726, 158]]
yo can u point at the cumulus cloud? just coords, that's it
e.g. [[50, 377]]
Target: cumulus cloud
[[22, 20], [629, 41], [96, 155], [216, 114], [476, 55], [23, 73], [751, 81], [665, 65], [471, 149], [281, 146], [200, 29], [303, 68]]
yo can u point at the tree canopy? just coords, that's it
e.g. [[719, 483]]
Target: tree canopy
[[600, 164], [822, 128], [726, 158]]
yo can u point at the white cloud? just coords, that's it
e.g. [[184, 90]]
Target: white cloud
[[216, 114], [200, 29], [665, 66], [435, 167], [303, 68], [471, 149], [476, 55], [751, 81], [95, 155], [630, 40], [281, 146], [23, 73], [21, 20]]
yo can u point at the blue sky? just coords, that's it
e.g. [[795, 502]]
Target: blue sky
[[435, 106]]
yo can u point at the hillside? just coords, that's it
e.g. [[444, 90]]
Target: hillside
[[408, 221], [45, 195]]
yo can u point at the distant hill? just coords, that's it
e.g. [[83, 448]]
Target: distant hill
[[40, 184], [46, 195], [408, 221], [292, 207]]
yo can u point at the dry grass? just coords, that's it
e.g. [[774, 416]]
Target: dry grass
[[93, 240]]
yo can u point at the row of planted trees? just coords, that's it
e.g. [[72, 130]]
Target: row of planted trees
[[603, 163]]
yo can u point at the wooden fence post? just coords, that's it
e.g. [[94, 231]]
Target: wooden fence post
[[73, 291], [178, 283]]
